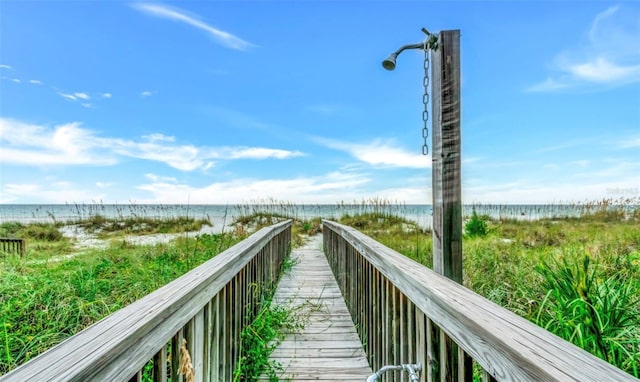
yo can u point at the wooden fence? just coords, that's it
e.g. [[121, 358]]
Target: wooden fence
[[208, 307], [405, 313], [9, 245]]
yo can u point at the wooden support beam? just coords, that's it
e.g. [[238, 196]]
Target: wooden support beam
[[447, 204]]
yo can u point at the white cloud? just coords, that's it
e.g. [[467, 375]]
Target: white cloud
[[380, 153], [70, 97], [81, 95], [602, 70], [328, 188], [16, 80], [184, 158], [6, 67], [159, 138], [222, 37], [631, 143], [54, 193], [66, 144], [107, 95], [70, 144], [610, 56], [87, 105], [260, 153], [146, 93], [104, 184], [35, 82]]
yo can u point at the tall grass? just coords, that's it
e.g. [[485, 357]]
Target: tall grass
[[42, 304], [577, 277]]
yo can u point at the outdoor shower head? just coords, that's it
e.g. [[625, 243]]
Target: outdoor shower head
[[390, 62]]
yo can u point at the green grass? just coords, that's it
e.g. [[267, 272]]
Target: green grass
[[43, 304], [579, 278]]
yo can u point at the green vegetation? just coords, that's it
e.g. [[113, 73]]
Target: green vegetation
[[476, 226], [42, 303], [577, 277], [137, 225], [263, 335], [45, 298], [43, 239]]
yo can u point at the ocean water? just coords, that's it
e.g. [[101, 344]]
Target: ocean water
[[223, 215]]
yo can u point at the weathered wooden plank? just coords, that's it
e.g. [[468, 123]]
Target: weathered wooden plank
[[328, 348], [506, 345], [176, 342], [317, 352], [198, 346], [342, 363], [160, 365]]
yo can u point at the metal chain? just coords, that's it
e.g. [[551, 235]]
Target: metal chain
[[425, 99]]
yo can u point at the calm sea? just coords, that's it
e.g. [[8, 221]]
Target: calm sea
[[221, 215]]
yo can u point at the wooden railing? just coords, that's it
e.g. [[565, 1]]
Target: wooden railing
[[208, 307], [406, 313], [9, 245]]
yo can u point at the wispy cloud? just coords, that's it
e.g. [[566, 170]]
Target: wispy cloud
[[609, 57], [71, 144], [49, 192], [70, 97], [259, 153], [630, 143], [107, 95], [146, 93], [104, 184], [328, 188], [380, 152], [176, 14], [35, 82], [16, 80], [6, 67], [77, 96]]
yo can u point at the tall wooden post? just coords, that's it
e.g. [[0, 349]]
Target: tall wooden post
[[447, 205], [447, 200]]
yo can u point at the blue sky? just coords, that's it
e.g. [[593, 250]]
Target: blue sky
[[237, 101]]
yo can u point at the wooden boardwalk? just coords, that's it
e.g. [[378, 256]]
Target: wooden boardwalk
[[328, 348]]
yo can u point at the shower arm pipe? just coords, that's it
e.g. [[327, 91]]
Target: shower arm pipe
[[419, 45]]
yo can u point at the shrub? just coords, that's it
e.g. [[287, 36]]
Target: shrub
[[476, 227], [43, 232]]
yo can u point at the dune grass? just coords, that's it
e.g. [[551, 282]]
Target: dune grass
[[42, 304], [578, 278]]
